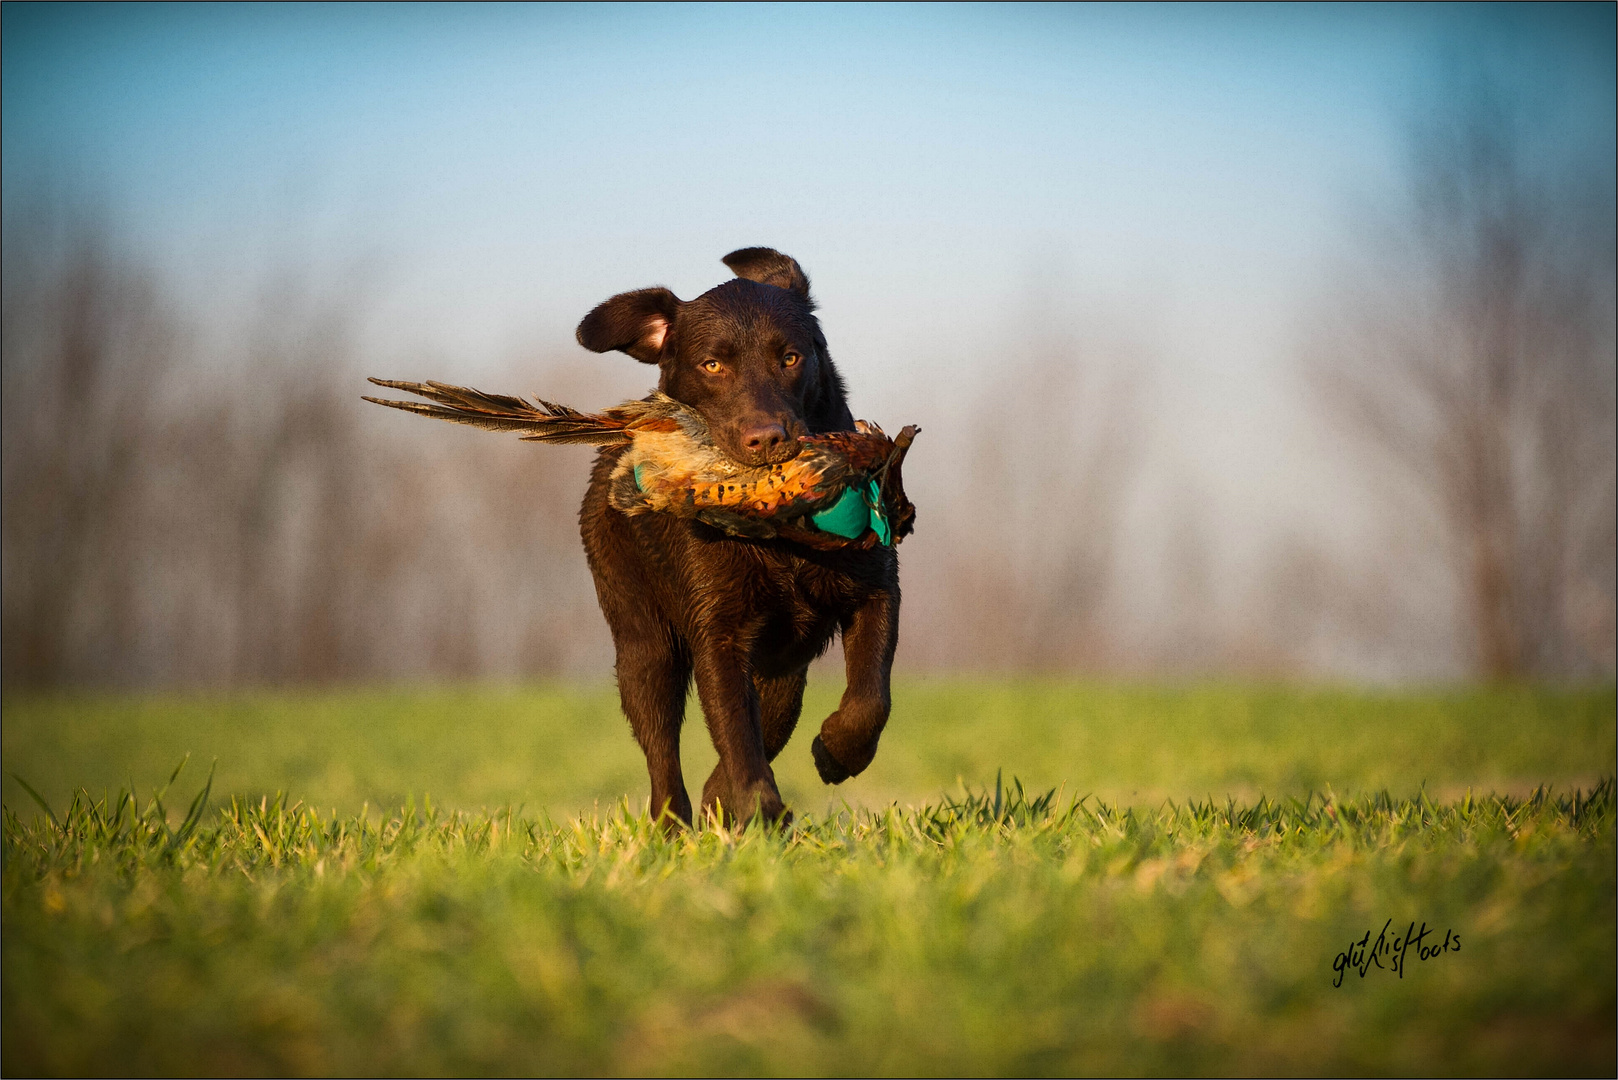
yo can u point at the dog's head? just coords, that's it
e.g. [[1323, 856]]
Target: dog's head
[[749, 354]]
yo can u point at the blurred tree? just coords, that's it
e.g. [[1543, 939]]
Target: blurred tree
[[1478, 358], [235, 514], [1033, 536], [86, 345]]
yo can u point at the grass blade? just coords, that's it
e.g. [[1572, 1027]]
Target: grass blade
[[194, 815], [40, 799]]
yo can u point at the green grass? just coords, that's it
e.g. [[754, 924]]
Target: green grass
[[564, 749], [1152, 929]]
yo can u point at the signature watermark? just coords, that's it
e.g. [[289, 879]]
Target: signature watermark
[[1366, 954]]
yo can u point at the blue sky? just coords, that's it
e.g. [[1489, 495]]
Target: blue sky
[[517, 161], [654, 133], [1184, 176]]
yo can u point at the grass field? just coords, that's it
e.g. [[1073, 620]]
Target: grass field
[[451, 885]]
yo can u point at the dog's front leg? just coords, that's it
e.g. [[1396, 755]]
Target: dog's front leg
[[847, 740], [742, 783]]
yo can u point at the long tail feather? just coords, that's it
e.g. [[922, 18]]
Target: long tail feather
[[541, 421]]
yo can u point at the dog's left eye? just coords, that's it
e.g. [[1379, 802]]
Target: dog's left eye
[[713, 366], [790, 360]]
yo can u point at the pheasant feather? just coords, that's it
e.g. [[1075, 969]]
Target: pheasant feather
[[672, 465]]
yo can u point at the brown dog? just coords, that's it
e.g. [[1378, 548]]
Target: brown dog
[[744, 616]]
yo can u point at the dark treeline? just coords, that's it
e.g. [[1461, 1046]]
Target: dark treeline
[[200, 514], [1473, 361], [177, 516]]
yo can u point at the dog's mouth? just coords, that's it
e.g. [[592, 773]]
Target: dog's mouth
[[768, 447], [754, 459]]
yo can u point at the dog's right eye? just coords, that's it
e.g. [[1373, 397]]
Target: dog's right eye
[[713, 367]]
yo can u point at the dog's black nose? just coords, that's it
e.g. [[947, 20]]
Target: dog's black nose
[[764, 440]]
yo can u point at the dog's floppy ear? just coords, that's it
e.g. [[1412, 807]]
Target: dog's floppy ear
[[637, 323], [769, 267]]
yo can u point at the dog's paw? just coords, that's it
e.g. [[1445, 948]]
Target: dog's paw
[[830, 769]]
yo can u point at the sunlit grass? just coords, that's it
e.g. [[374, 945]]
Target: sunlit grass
[[565, 748], [987, 932]]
